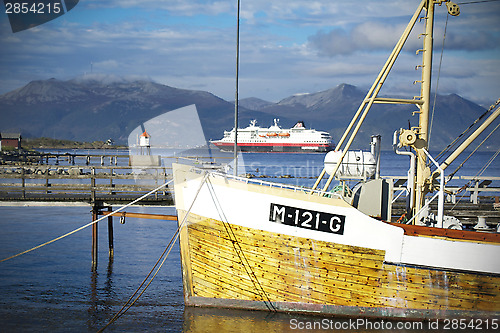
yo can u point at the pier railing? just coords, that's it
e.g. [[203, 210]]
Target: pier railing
[[82, 183], [87, 177]]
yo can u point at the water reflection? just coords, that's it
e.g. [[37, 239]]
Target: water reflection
[[215, 320], [92, 310], [108, 285], [101, 300], [212, 320]]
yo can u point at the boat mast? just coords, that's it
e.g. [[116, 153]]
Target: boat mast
[[416, 137], [236, 99], [423, 171], [371, 98]]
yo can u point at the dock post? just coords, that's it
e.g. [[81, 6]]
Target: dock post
[[23, 183], [95, 215], [110, 233], [92, 184]]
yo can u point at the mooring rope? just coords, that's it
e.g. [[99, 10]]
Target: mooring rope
[[128, 304], [167, 250], [88, 224], [239, 251]]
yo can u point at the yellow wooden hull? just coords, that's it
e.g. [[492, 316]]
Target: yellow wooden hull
[[243, 245], [233, 266]]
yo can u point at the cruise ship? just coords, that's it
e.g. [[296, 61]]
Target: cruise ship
[[276, 139]]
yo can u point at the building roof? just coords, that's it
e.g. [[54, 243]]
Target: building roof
[[7, 135], [145, 134]]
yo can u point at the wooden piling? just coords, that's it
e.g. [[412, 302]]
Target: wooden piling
[[110, 233], [23, 183], [92, 184], [95, 216]]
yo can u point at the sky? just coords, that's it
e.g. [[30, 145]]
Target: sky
[[287, 47]]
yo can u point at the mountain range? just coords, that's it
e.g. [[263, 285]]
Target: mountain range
[[87, 109]]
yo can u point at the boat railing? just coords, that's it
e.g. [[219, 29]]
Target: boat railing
[[472, 190], [277, 185]]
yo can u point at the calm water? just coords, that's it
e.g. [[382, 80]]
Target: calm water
[[53, 288]]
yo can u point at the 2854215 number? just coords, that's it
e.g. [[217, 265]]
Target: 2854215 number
[[33, 7]]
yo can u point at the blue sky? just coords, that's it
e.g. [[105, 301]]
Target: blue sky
[[287, 46]]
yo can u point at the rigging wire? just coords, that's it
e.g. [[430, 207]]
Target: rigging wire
[[437, 81], [452, 144], [239, 250], [88, 224], [468, 129], [478, 174], [472, 153]]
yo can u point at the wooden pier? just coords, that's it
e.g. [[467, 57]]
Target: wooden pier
[[101, 181], [83, 178], [83, 184]]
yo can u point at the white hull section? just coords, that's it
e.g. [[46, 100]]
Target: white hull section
[[236, 201]]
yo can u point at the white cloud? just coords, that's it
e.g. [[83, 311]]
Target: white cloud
[[191, 44], [176, 7]]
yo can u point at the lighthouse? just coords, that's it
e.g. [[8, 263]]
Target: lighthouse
[[144, 139], [144, 158]]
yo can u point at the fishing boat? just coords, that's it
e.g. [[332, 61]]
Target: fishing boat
[[251, 244], [297, 139]]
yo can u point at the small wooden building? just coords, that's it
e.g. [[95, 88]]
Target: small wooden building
[[10, 140]]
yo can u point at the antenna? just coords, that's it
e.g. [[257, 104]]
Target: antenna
[[236, 94]]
